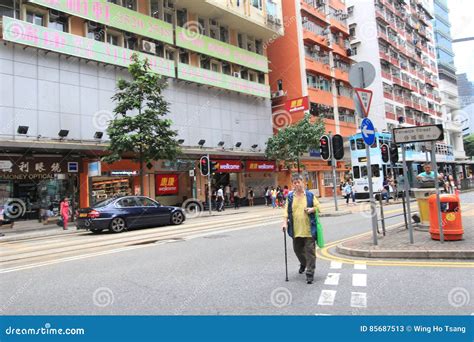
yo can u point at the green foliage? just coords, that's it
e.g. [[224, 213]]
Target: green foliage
[[139, 125], [289, 143], [469, 145]]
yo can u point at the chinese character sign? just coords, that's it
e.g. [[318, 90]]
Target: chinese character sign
[[166, 184]]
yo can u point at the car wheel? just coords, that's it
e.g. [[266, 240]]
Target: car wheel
[[118, 225], [96, 231], [177, 218]]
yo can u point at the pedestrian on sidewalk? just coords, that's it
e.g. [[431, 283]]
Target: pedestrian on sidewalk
[[250, 196], [267, 196], [300, 221], [64, 211], [236, 199], [227, 194], [347, 190], [220, 199], [273, 194]]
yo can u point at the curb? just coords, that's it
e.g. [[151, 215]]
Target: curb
[[411, 254]]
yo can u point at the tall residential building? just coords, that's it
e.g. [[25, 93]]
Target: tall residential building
[[59, 64], [396, 36], [447, 78], [466, 100], [311, 61]]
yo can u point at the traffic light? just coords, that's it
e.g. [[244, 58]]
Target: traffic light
[[204, 165], [385, 153], [325, 147], [393, 153], [214, 166], [338, 146]]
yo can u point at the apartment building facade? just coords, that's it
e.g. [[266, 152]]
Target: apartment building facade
[[311, 63], [59, 64], [447, 79]]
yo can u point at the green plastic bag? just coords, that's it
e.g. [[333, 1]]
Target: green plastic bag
[[319, 232]]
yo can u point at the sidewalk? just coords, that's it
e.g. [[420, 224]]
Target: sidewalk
[[396, 244]]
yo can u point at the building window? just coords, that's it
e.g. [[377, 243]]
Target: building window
[[169, 54], [257, 4], [328, 181], [95, 31], [224, 34], [241, 40], [130, 42], [113, 39], [259, 46], [215, 66], [226, 69], [184, 57], [57, 22], [205, 63], [155, 9], [168, 17], [35, 18], [181, 17], [9, 8]]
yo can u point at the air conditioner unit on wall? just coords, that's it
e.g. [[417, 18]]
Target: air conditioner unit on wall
[[148, 47]]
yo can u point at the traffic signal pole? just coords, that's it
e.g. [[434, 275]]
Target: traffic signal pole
[[373, 212], [209, 191], [333, 165]]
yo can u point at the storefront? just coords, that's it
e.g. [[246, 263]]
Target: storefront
[[259, 175], [37, 184]]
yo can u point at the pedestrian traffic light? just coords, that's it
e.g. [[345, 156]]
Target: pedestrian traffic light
[[204, 165], [214, 166], [325, 147], [393, 153], [385, 153], [338, 146]]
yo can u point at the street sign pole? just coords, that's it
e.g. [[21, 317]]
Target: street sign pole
[[373, 212], [406, 185], [333, 165], [434, 168], [209, 191]]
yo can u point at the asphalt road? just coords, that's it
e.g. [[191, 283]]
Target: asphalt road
[[236, 272]]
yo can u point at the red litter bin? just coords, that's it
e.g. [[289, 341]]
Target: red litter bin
[[450, 217]]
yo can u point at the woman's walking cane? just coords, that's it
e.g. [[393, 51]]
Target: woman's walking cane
[[286, 256]]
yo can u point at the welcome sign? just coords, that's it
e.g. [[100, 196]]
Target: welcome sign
[[106, 13], [21, 32]]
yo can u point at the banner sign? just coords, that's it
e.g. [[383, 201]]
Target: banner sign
[[21, 32], [260, 166], [297, 105], [195, 41], [216, 79], [225, 166], [166, 184], [35, 168], [106, 13]]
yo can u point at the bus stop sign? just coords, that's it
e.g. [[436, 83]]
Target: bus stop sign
[[368, 131]]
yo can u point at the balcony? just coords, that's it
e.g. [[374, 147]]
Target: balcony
[[340, 50], [314, 11], [342, 75], [410, 121], [390, 115], [218, 80], [397, 80], [384, 56], [388, 95], [320, 96], [386, 75], [317, 66], [314, 38], [345, 128], [216, 48], [380, 15], [399, 99], [395, 61], [383, 35], [339, 25], [73, 45], [345, 102]]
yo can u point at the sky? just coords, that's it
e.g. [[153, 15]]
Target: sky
[[462, 25]]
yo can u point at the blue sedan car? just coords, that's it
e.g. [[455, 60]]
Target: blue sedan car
[[123, 213]]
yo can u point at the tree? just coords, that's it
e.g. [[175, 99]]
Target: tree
[[138, 125], [469, 145], [289, 143]]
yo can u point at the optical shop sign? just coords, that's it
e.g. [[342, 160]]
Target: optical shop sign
[[35, 168]]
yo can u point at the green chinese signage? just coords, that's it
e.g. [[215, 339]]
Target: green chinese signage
[[106, 13], [41, 37], [204, 76], [197, 42]]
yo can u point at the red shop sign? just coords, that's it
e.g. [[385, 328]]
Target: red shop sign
[[296, 105], [228, 166], [166, 184], [262, 166]]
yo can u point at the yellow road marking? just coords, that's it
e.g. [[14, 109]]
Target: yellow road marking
[[326, 255]]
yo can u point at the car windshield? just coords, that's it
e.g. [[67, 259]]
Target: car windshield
[[103, 203]]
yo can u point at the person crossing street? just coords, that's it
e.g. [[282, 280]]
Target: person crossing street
[[300, 221]]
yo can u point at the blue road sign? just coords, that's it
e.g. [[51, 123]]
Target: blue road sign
[[368, 131]]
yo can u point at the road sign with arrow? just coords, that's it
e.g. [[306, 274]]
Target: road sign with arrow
[[368, 131], [418, 133]]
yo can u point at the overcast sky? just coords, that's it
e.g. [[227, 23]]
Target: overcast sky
[[462, 20]]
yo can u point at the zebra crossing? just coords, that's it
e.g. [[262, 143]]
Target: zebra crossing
[[329, 293]]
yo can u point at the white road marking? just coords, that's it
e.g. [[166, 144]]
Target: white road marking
[[360, 266], [335, 265], [359, 279], [358, 299], [327, 297], [332, 279]]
